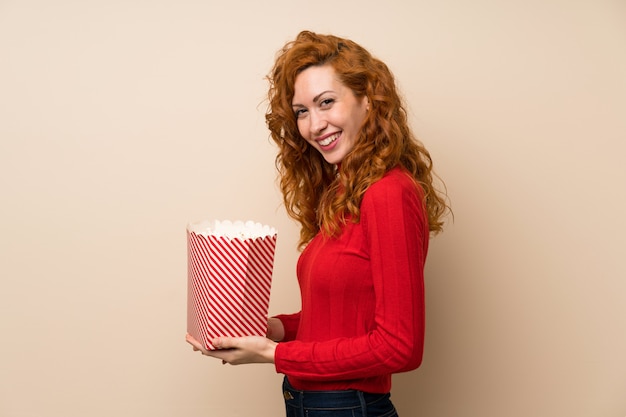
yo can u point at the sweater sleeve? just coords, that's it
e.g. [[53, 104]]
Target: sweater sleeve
[[290, 325], [394, 221]]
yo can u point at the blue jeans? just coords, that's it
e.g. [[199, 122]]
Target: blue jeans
[[336, 403]]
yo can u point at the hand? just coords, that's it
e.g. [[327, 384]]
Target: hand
[[275, 329], [238, 350], [197, 346]]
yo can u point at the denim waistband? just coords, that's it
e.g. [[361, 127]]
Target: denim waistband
[[341, 399]]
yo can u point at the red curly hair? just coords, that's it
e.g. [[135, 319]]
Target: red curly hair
[[309, 184]]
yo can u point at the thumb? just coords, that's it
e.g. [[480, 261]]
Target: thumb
[[223, 343]]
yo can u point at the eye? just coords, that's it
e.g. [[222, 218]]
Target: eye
[[326, 102], [299, 112]]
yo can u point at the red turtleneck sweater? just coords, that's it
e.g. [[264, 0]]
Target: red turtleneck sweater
[[362, 316]]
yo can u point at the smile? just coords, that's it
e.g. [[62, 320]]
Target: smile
[[330, 139]]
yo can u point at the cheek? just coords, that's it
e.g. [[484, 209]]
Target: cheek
[[359, 116], [302, 127]]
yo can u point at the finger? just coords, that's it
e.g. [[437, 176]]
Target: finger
[[197, 346], [190, 339], [225, 342]]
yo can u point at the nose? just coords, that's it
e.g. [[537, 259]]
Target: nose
[[318, 123]]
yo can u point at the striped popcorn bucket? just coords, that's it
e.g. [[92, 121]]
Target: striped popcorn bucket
[[229, 279]]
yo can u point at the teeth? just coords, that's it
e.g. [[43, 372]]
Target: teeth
[[329, 140]]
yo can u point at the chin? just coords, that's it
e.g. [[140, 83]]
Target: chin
[[334, 158], [333, 161]]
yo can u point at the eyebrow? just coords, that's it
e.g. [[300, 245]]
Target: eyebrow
[[315, 99]]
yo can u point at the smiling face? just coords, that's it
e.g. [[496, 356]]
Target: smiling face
[[329, 115]]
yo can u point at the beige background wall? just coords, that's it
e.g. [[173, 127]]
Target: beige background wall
[[120, 121]]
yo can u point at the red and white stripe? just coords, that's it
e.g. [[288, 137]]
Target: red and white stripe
[[229, 286]]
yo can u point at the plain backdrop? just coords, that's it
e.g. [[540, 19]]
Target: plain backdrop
[[121, 121]]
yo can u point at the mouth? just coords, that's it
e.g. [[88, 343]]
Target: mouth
[[329, 139]]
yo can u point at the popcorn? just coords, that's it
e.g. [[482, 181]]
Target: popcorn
[[230, 268], [237, 229]]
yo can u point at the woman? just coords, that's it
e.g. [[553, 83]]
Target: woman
[[361, 187]]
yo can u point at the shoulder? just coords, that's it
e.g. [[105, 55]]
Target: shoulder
[[395, 203], [396, 183]]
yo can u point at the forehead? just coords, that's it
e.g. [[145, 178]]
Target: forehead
[[315, 80]]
